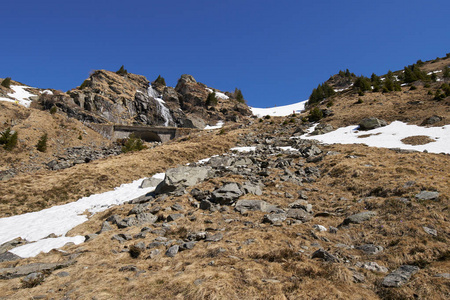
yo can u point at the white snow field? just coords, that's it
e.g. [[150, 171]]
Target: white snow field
[[217, 126], [20, 95], [36, 226], [279, 111], [389, 136]]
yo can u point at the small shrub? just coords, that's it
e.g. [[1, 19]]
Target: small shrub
[[8, 139], [446, 72], [160, 80], [315, 114], [238, 95], [426, 85], [133, 143], [430, 93], [42, 143], [360, 101], [53, 109], [439, 95], [361, 93], [122, 71], [267, 117], [211, 100], [84, 84], [412, 88], [6, 82], [330, 104], [80, 137]]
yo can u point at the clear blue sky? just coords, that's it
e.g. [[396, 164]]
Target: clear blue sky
[[276, 52]]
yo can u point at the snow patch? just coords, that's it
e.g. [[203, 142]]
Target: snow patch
[[217, 126], [60, 219], [279, 111], [20, 95], [389, 136], [244, 149], [218, 94]]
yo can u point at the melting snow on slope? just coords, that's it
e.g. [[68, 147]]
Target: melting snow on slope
[[218, 94], [60, 219], [389, 136], [217, 126], [20, 95], [279, 111]]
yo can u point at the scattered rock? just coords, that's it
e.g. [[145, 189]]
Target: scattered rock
[[90, 236], [371, 123], [324, 255], [359, 217], [8, 256], [33, 279], [184, 176], [8, 273], [150, 182], [227, 194], [63, 274], [173, 217], [172, 251], [214, 238], [372, 266], [301, 204], [105, 227], [431, 120], [299, 214], [254, 205], [370, 249], [427, 195], [320, 228], [275, 219], [430, 230], [400, 276]]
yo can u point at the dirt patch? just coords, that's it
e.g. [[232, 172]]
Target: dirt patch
[[417, 140], [368, 135]]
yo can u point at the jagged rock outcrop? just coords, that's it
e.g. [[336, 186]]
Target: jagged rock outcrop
[[107, 97]]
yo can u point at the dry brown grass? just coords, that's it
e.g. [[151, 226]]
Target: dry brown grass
[[271, 267], [417, 140]]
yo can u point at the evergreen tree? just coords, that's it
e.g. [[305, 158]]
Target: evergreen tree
[[376, 80], [362, 84], [42, 143], [6, 82], [160, 80], [320, 93], [238, 95], [446, 72], [8, 140], [211, 100], [122, 71], [315, 114]]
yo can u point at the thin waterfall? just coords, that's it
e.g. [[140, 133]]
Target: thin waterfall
[[164, 111]]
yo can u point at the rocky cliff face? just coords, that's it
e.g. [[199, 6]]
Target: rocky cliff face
[[107, 97]]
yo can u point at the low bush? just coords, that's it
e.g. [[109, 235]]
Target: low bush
[[42, 143], [315, 114], [122, 71], [6, 82], [133, 143], [8, 139]]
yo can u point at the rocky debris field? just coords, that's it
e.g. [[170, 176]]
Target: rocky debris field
[[278, 217]]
